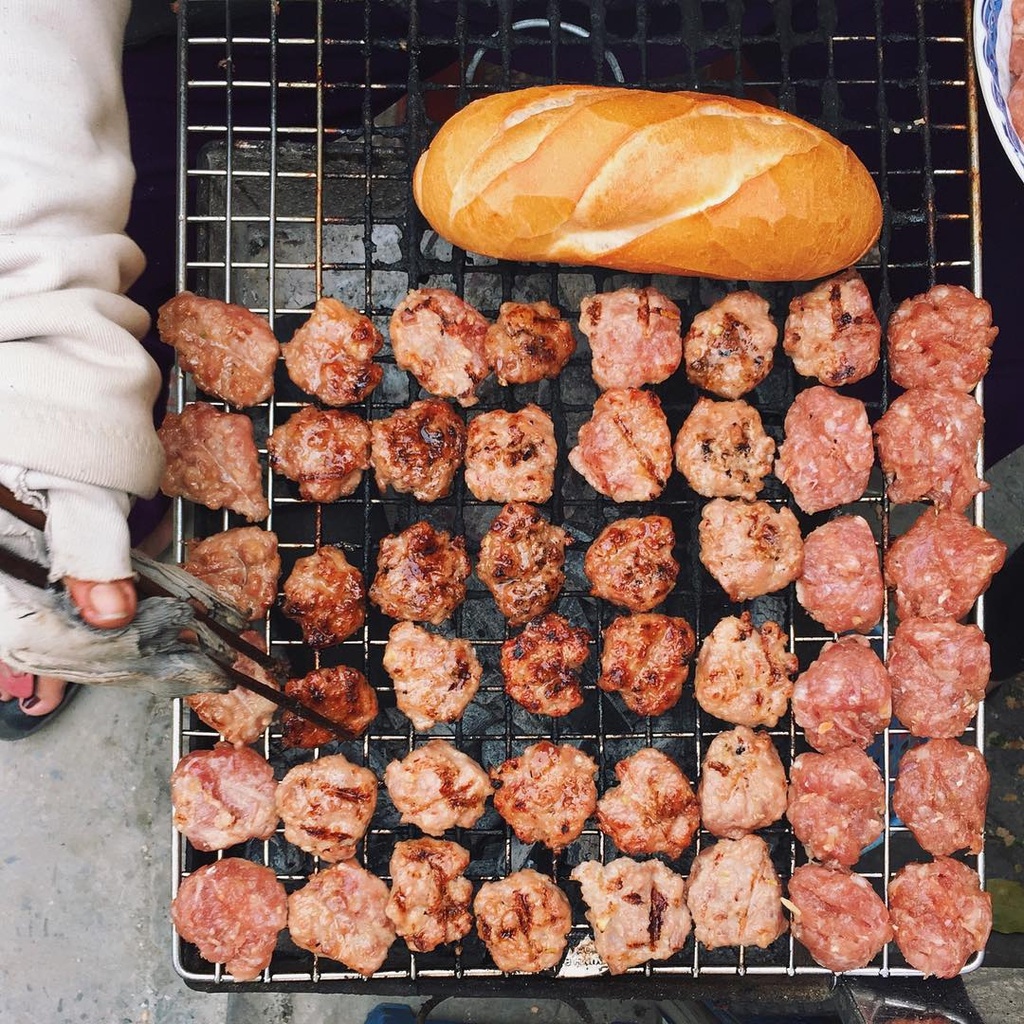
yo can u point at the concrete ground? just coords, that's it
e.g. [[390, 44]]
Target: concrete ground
[[84, 874]]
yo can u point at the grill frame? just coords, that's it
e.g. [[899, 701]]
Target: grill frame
[[217, 257]]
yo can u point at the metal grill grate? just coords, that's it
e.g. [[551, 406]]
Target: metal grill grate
[[300, 124]]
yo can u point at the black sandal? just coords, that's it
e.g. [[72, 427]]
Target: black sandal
[[16, 725]]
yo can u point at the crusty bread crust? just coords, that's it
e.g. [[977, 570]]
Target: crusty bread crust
[[675, 183]]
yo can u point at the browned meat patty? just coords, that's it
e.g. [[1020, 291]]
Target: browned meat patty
[[340, 693], [645, 659], [742, 783], [723, 451], [541, 665], [528, 342], [523, 920], [653, 809], [730, 347], [421, 574], [638, 911], [435, 678], [419, 450], [832, 332], [230, 351], [326, 806], [331, 355], [521, 562], [326, 596], [430, 896], [436, 787], [341, 914], [749, 547], [323, 450], [547, 793], [630, 563], [212, 460], [241, 564], [511, 456]]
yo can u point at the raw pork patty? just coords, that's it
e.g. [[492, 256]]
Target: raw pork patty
[[941, 338], [839, 917], [941, 793], [223, 796], [826, 457], [232, 910], [928, 447], [841, 586], [939, 671], [836, 804], [940, 915], [941, 565], [844, 698]]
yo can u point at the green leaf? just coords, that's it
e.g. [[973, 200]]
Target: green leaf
[[1007, 905]]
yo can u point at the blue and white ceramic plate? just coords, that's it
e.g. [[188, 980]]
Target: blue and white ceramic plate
[[991, 52]]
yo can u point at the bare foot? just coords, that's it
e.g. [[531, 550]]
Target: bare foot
[[47, 695], [104, 605]]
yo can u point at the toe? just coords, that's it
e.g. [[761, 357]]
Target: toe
[[105, 605], [49, 693]]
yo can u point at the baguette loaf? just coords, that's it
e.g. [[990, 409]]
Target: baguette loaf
[[673, 183]]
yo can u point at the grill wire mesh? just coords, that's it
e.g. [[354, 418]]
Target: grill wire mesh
[[300, 123]]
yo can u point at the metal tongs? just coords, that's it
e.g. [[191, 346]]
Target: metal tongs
[[184, 638]]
